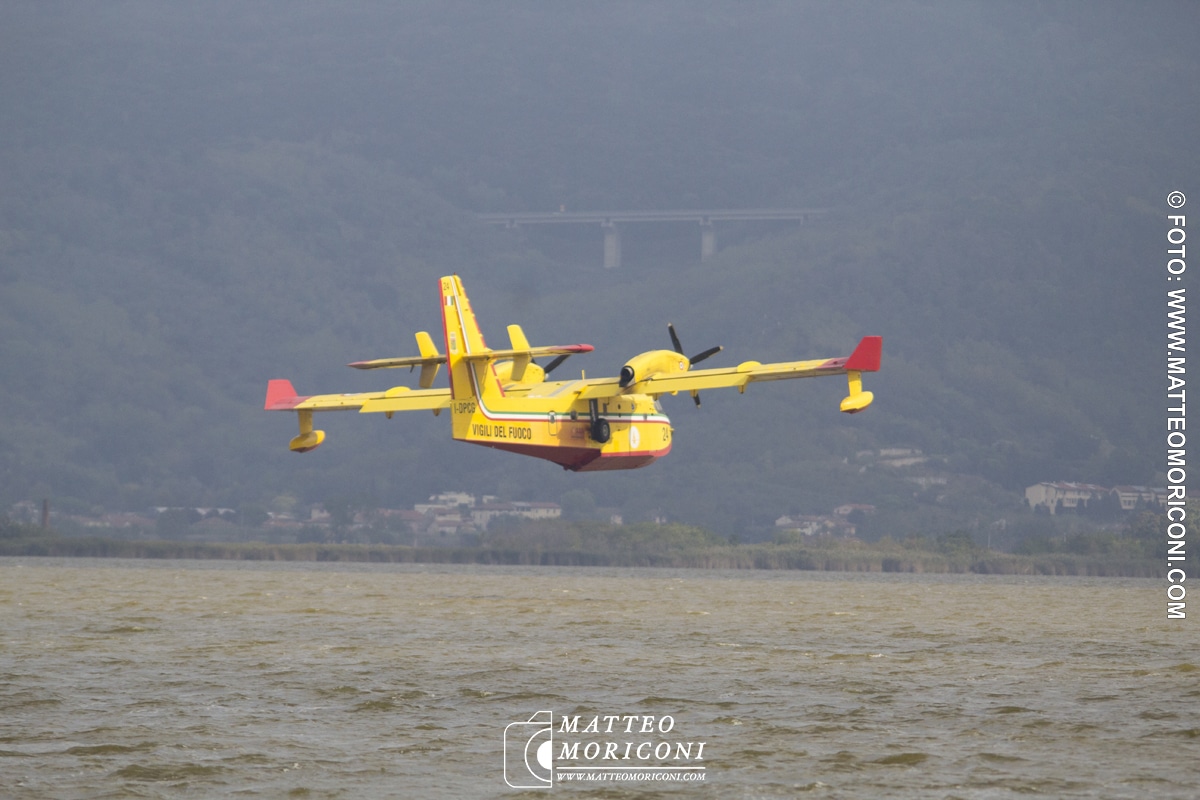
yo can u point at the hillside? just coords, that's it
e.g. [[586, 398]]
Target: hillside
[[199, 198]]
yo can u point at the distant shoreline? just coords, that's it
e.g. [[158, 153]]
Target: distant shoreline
[[748, 556]]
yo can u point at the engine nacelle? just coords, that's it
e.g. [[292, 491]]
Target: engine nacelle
[[655, 362]]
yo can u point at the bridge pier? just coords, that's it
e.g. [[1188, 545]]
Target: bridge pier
[[612, 245], [708, 240]]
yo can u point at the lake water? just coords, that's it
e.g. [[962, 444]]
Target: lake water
[[204, 679]]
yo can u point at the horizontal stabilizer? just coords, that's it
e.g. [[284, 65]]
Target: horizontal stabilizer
[[534, 352], [390, 363], [428, 361], [429, 357]]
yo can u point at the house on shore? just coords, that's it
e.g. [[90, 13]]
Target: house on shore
[[1067, 496]]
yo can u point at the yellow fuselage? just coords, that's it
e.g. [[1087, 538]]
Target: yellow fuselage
[[546, 420]]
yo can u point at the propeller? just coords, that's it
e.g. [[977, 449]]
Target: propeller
[[553, 364], [694, 360]]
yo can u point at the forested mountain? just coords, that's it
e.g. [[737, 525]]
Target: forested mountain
[[197, 197]]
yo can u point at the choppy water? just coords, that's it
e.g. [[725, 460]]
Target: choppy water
[[202, 679]]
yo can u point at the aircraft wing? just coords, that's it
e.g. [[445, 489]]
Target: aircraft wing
[[401, 398], [865, 358], [739, 376], [698, 379], [599, 388], [282, 397]]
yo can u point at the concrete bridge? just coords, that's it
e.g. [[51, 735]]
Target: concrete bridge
[[608, 220]]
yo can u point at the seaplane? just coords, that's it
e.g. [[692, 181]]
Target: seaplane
[[501, 398]]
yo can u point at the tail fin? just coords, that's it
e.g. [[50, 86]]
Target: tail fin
[[429, 369], [523, 359], [469, 377]]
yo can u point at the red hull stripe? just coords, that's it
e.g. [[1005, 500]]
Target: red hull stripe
[[580, 459]]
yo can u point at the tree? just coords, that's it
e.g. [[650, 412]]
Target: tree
[[253, 515], [173, 523], [958, 543], [578, 504]]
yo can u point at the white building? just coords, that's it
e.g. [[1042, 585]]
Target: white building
[[483, 514], [816, 525], [1130, 496], [1063, 495]]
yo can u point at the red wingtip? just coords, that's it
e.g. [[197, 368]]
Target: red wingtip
[[867, 355], [280, 395]]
